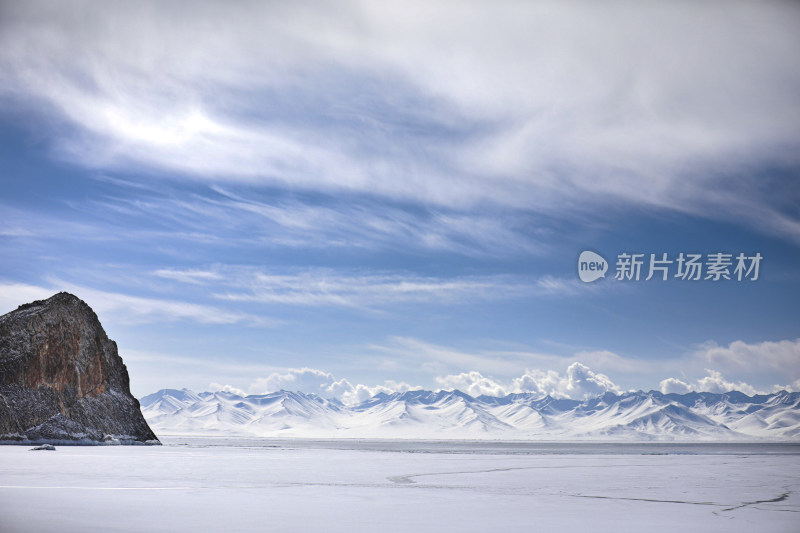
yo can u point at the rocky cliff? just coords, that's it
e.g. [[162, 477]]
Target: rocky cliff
[[61, 378]]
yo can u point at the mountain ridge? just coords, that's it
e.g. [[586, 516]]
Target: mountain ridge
[[637, 415]]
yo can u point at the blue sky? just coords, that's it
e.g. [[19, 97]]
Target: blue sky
[[347, 198]]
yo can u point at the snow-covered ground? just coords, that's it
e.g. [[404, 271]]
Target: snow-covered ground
[[349, 485]]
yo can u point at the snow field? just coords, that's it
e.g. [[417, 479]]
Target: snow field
[[286, 485]]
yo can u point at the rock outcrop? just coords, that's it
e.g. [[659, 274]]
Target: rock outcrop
[[62, 379]]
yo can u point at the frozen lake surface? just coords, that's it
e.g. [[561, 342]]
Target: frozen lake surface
[[195, 484]]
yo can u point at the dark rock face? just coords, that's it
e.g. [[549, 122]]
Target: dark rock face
[[62, 379]]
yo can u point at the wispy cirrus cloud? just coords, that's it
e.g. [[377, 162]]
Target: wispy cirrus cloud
[[539, 106], [197, 277], [347, 288], [368, 224], [13, 295], [208, 221], [130, 309], [436, 358], [232, 217]]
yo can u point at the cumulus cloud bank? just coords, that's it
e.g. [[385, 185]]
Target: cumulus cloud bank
[[578, 382], [714, 382], [323, 384], [781, 358], [217, 387], [473, 383], [777, 362]]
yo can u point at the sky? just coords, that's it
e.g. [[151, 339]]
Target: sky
[[353, 197]]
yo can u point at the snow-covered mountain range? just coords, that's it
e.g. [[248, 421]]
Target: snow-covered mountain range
[[452, 414]]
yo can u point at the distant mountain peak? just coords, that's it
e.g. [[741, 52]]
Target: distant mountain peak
[[455, 414]]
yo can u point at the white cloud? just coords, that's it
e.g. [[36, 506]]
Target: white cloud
[[588, 370], [151, 371], [12, 295], [326, 287], [674, 386], [539, 105], [140, 310], [473, 383], [226, 388], [251, 217], [742, 366], [350, 394], [780, 359], [714, 382], [540, 382], [554, 285], [128, 309], [311, 380], [296, 379], [321, 287], [579, 382], [611, 361], [197, 277], [446, 359], [354, 224], [437, 358]]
